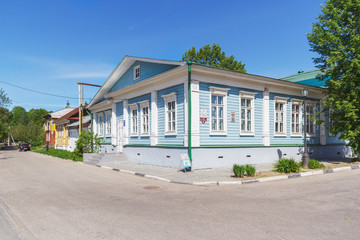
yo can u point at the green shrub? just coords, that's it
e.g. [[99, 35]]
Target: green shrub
[[59, 153], [88, 142], [238, 170], [250, 170], [287, 165], [313, 164]]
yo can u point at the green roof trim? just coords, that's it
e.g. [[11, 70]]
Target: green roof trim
[[302, 76]]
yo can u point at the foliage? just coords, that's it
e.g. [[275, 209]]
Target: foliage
[[313, 164], [287, 165], [335, 37], [59, 153], [213, 56], [4, 99], [88, 142], [241, 170], [250, 170]]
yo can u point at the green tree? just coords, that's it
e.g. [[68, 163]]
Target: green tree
[[213, 56], [88, 142], [335, 37], [4, 99]]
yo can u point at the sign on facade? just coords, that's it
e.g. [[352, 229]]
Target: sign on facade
[[232, 116], [203, 115], [186, 160]]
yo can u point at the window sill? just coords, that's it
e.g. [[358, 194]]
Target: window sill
[[247, 134], [134, 135], [296, 135], [145, 135], [108, 135], [222, 133], [170, 133], [284, 135], [310, 135]]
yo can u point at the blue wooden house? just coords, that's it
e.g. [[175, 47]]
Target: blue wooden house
[[153, 110]]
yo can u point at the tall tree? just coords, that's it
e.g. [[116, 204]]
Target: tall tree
[[213, 56], [335, 37], [4, 99], [4, 114]]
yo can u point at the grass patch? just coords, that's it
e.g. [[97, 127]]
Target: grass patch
[[313, 164], [287, 165], [59, 153]]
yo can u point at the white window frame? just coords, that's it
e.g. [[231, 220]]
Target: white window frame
[[311, 104], [247, 96], [100, 124], [330, 123], [171, 97], [216, 91], [108, 123], [143, 117], [136, 72], [281, 100], [300, 104], [134, 107]]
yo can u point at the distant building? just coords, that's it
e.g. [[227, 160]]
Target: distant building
[[50, 127], [142, 110]]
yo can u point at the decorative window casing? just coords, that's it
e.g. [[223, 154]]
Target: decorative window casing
[[137, 72], [218, 109], [331, 123], [108, 123], [145, 119], [170, 113], [134, 119], [280, 116], [101, 124], [247, 107], [296, 118], [310, 119]]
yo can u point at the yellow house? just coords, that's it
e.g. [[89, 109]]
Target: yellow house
[[50, 125]]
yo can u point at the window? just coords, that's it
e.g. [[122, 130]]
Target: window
[[170, 113], [246, 113], [280, 116], [296, 118], [134, 119], [218, 110], [144, 108], [108, 123], [331, 123], [310, 119], [137, 72], [101, 124]]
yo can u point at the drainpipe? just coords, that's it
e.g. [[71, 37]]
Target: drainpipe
[[91, 117], [189, 109]]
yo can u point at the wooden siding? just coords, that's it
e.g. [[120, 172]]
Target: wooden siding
[[233, 128], [178, 139], [147, 70], [139, 139]]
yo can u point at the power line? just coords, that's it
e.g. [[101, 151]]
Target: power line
[[49, 94]]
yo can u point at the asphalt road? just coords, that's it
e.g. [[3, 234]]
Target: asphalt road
[[48, 198]]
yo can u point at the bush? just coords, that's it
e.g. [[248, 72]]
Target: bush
[[58, 153], [250, 170], [88, 142], [313, 164], [287, 165], [238, 170]]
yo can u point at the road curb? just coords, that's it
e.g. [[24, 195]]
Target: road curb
[[257, 180]]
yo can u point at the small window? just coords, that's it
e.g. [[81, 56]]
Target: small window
[[280, 116], [296, 118], [218, 110], [137, 72], [170, 113], [108, 123], [310, 119], [144, 108], [247, 113], [101, 124], [134, 119]]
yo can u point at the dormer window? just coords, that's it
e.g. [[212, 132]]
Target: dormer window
[[137, 72]]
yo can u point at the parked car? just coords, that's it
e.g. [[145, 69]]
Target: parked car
[[24, 146]]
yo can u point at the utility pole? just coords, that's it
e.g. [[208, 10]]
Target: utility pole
[[81, 101]]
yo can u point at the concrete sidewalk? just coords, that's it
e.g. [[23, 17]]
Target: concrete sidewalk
[[213, 175]]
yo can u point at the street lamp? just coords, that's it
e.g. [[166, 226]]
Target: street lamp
[[305, 157]]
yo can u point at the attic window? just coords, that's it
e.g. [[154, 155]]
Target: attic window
[[137, 72]]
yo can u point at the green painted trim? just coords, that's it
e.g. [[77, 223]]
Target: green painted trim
[[228, 146], [159, 145], [172, 146], [137, 145], [189, 109]]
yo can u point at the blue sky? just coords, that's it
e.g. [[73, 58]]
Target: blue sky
[[47, 46]]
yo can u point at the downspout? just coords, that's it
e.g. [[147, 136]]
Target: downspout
[[189, 109], [91, 117]]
